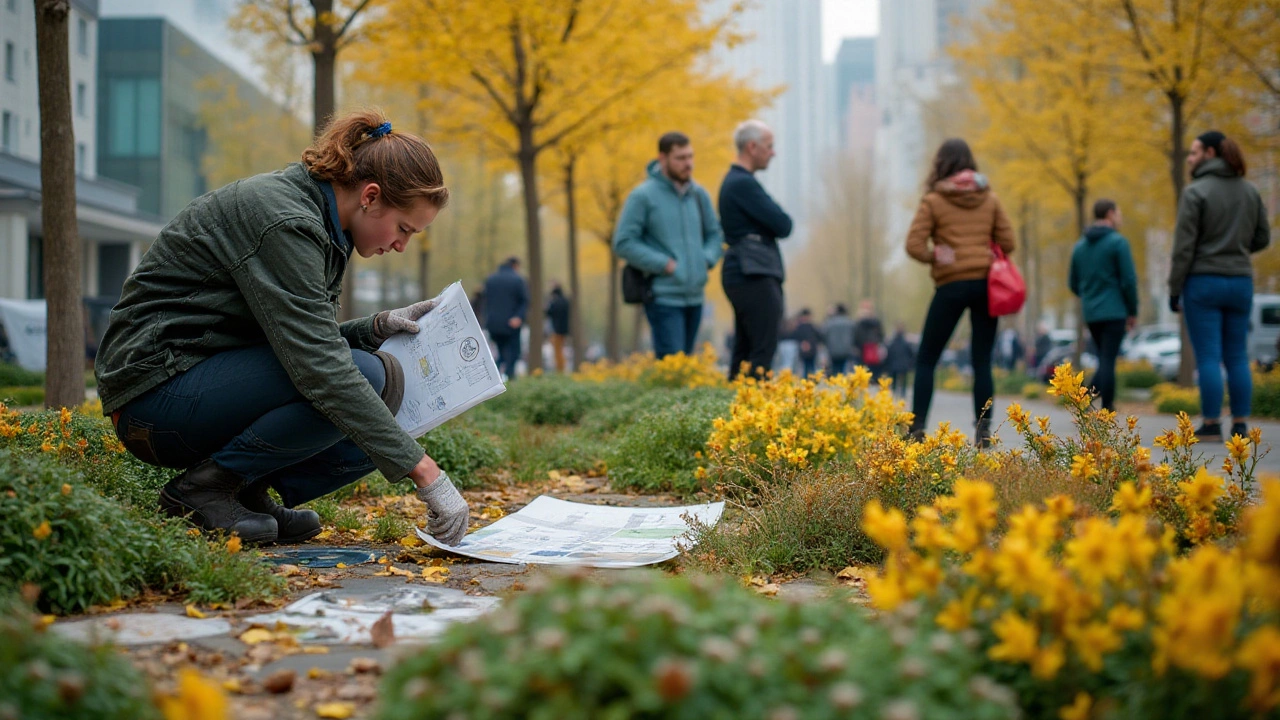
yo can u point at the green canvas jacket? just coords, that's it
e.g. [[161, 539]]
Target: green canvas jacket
[[258, 261]]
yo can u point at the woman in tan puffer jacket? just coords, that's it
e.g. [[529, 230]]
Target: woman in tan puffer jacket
[[958, 220]]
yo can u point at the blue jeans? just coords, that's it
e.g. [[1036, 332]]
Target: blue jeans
[[675, 329], [508, 351], [241, 409], [1217, 309]]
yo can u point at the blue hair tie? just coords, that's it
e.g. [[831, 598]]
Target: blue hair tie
[[383, 129]]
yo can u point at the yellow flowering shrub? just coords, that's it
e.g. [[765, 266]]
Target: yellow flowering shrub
[[673, 371], [1078, 611], [783, 422]]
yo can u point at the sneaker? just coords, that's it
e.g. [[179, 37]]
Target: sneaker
[[1209, 431], [1240, 429]]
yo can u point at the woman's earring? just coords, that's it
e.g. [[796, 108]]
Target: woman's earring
[[365, 208]]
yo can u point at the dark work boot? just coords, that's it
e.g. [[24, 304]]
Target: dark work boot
[[206, 496], [1209, 431], [982, 434], [295, 525], [915, 433], [1239, 428]]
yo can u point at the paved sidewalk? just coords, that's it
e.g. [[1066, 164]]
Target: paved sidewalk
[[957, 408]]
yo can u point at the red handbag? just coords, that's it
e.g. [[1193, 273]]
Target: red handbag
[[1006, 290]]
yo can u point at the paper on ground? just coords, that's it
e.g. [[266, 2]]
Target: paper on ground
[[418, 613], [448, 368], [548, 531]]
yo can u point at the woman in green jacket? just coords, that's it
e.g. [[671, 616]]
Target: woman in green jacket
[[225, 357]]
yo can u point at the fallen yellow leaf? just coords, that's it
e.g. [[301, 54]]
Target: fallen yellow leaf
[[233, 545], [337, 710], [232, 685], [66, 489], [316, 673], [341, 566], [47, 620], [288, 570], [435, 574], [194, 612], [411, 541], [253, 636], [398, 571], [42, 531], [315, 650]]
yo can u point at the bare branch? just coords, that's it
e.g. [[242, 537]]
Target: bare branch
[[351, 18], [303, 38]]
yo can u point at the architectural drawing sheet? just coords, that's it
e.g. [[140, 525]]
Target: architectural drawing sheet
[[548, 531], [447, 366]]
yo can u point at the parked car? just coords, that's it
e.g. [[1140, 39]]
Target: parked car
[[1064, 353], [1264, 329], [1136, 343], [1164, 355]]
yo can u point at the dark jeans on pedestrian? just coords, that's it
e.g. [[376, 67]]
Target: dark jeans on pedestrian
[[1217, 309], [675, 328], [948, 305], [1107, 336], [508, 351], [839, 365], [240, 408], [809, 365], [757, 317]]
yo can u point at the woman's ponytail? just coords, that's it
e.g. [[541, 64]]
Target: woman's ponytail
[[1230, 152], [362, 147]]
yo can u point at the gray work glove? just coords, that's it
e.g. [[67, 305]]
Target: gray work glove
[[447, 512], [405, 319]]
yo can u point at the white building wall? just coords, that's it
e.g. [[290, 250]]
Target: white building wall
[[13, 255]]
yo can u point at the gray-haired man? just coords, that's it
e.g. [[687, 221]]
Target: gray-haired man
[[752, 275]]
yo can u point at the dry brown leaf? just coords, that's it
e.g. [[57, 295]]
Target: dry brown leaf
[[435, 573], [383, 631], [364, 666], [288, 570], [316, 673], [280, 682]]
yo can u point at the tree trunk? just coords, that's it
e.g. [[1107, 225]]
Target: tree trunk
[[611, 339], [1177, 173], [324, 56], [1081, 196], [64, 359], [528, 159], [575, 288]]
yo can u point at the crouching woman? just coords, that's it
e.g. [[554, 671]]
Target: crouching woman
[[225, 358]]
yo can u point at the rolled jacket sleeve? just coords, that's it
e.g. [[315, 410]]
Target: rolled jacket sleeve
[[282, 281]]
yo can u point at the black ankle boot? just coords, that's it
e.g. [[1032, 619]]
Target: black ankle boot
[[1209, 431], [206, 496], [1240, 429], [982, 434], [915, 433], [295, 526]]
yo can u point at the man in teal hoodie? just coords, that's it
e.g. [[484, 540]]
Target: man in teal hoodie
[[668, 229], [1103, 277]]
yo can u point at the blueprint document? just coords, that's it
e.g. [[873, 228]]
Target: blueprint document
[[448, 368], [548, 531]]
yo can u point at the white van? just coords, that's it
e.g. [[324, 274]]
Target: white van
[[1264, 328]]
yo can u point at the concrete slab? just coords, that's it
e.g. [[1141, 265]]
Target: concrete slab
[[141, 628]]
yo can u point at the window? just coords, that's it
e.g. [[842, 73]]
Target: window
[[133, 117], [82, 106], [82, 37], [8, 128], [80, 158], [9, 70], [1270, 315]]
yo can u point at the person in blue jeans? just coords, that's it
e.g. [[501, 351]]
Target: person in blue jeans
[[668, 230], [1221, 222]]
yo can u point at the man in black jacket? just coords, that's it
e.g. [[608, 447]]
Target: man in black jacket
[[506, 300], [752, 275], [558, 314]]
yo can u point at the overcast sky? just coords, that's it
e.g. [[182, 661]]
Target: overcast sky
[[847, 18]]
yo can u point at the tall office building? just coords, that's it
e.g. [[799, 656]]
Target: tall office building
[[111, 227], [855, 85], [912, 66], [786, 50]]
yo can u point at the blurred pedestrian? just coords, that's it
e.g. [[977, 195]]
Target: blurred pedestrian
[[558, 314], [753, 274], [1103, 277], [1009, 349], [506, 300], [868, 338], [838, 331], [958, 220], [668, 229], [808, 337], [1043, 346], [899, 358], [1221, 222]]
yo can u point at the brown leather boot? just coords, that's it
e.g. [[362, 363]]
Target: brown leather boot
[[206, 496]]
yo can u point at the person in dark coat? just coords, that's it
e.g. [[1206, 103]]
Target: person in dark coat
[[899, 358], [506, 300], [868, 339], [753, 273], [838, 332], [1103, 277], [809, 338], [558, 314]]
